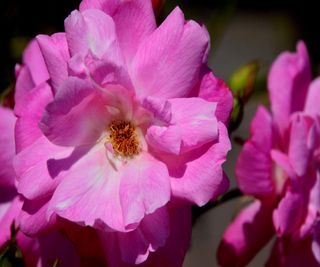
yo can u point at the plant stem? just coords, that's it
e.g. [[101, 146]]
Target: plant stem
[[198, 211]]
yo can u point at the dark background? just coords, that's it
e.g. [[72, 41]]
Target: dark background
[[20, 20]]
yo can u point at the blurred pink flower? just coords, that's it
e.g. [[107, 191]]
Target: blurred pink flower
[[279, 166], [121, 126]]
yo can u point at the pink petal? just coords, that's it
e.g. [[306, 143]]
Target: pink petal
[[192, 124], [7, 147], [197, 176], [313, 98], [215, 90], [94, 47], [55, 53], [91, 30], [134, 21], [142, 178], [166, 139], [90, 201], [77, 116], [32, 73], [302, 141], [288, 82], [127, 193], [196, 119], [296, 212], [289, 214], [42, 168], [103, 71], [134, 247], [307, 226], [282, 160], [32, 219], [254, 165], [29, 111], [173, 252], [246, 235], [24, 84], [174, 50], [32, 58]]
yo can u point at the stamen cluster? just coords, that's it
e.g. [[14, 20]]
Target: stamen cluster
[[123, 138]]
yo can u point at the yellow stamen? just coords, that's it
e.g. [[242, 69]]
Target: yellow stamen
[[123, 138]]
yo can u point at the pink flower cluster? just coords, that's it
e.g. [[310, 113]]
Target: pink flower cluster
[[279, 167], [119, 128]]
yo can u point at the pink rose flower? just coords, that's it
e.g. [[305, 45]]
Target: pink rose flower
[[279, 167], [121, 127]]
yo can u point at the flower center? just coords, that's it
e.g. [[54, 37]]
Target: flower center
[[124, 139]]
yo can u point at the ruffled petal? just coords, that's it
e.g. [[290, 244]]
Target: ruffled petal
[[173, 252], [55, 52], [197, 176], [215, 90], [254, 165], [32, 58], [168, 62], [43, 167], [90, 201], [142, 178], [32, 73], [313, 197], [134, 247], [192, 124], [290, 212], [313, 98], [32, 219], [127, 193], [302, 142], [91, 31], [77, 116], [29, 111], [24, 83], [288, 82], [134, 21]]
